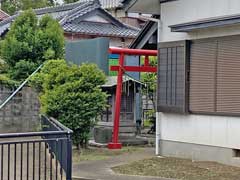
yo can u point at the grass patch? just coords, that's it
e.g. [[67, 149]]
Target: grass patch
[[180, 169], [147, 123], [93, 154]]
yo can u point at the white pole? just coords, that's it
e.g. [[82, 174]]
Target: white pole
[[157, 133], [158, 116]]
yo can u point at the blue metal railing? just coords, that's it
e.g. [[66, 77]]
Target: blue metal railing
[[62, 148], [44, 155]]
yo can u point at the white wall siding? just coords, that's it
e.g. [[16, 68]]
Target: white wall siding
[[222, 131], [150, 6], [201, 129], [182, 11], [117, 42]]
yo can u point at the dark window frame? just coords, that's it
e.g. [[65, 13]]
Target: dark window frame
[[184, 109], [170, 109]]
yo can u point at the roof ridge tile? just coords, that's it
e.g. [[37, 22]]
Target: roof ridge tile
[[66, 14]]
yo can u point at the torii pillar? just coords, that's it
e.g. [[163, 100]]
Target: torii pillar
[[121, 68]]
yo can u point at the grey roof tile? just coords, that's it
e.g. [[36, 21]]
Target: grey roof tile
[[5, 24], [109, 4], [83, 9], [59, 8], [102, 29], [67, 14], [3, 15]]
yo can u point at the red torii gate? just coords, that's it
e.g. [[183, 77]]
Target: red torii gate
[[121, 68]]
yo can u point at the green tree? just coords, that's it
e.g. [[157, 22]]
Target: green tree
[[31, 41], [11, 6], [72, 95], [150, 79], [33, 4], [70, 1]]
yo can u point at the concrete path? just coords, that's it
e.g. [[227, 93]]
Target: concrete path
[[101, 170]]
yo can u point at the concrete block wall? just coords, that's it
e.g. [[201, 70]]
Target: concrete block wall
[[21, 114]]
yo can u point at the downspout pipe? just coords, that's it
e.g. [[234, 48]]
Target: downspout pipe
[[158, 116], [20, 87]]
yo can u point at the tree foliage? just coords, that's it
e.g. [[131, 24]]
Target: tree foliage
[[150, 79], [11, 6], [70, 1], [31, 41], [72, 95]]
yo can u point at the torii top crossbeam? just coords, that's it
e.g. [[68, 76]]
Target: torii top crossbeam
[[137, 52], [121, 69]]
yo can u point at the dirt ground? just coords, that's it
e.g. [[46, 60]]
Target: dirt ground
[[101, 169], [183, 169], [94, 154]]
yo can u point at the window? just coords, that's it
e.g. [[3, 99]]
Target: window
[[172, 77], [215, 76], [203, 76], [236, 153]]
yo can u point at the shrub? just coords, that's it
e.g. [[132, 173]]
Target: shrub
[[22, 69], [3, 66], [72, 95], [31, 41], [7, 82]]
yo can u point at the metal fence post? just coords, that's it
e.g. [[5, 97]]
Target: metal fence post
[[69, 158], [12, 143]]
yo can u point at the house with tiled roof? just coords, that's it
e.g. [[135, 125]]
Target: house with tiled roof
[[118, 8], [111, 4], [84, 20], [3, 15]]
